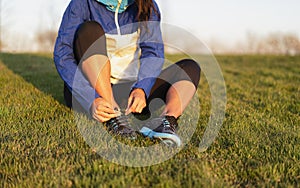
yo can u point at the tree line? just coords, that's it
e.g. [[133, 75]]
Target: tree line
[[274, 43]]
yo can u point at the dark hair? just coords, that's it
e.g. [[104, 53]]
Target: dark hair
[[145, 9]]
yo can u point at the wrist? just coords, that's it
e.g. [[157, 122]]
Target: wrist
[[92, 106], [137, 89]]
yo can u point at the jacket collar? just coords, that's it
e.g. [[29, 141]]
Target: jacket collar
[[114, 5]]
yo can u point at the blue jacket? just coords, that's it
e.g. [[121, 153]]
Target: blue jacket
[[79, 11]]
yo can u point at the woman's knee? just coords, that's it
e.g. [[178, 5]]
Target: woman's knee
[[90, 29], [89, 40], [189, 66], [192, 70]]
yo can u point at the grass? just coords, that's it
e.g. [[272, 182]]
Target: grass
[[258, 144]]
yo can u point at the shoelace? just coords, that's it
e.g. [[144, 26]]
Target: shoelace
[[167, 124], [120, 123]]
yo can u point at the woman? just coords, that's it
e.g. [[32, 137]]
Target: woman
[[105, 40]]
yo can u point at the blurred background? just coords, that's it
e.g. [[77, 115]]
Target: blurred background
[[226, 27]]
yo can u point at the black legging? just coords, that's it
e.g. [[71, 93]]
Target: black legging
[[91, 31]]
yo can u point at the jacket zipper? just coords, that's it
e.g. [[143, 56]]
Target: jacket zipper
[[116, 17]]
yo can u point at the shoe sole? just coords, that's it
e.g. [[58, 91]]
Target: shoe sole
[[168, 139]]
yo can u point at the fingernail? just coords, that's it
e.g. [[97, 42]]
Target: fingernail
[[117, 111], [127, 112]]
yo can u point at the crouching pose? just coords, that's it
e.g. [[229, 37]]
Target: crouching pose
[[118, 47]]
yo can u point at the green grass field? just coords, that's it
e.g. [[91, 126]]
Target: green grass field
[[258, 144]]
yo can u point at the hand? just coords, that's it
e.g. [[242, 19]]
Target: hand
[[136, 101], [103, 111]]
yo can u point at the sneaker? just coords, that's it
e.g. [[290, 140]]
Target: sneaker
[[163, 129], [120, 126]]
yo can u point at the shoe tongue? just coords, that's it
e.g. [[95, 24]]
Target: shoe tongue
[[171, 119]]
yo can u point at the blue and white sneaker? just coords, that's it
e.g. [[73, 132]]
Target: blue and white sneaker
[[163, 129]]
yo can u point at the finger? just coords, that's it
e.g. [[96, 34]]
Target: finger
[[102, 116], [107, 115], [140, 107], [129, 104], [100, 119], [130, 100], [105, 109], [105, 104], [107, 112], [127, 111], [134, 105]]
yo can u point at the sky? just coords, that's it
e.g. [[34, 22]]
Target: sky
[[224, 21]]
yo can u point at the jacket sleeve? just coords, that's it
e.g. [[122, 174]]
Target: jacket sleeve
[[152, 53], [75, 14]]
